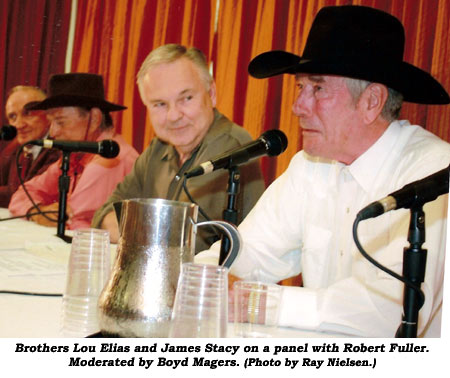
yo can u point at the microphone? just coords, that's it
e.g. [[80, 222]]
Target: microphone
[[107, 148], [271, 143], [416, 193], [8, 132]]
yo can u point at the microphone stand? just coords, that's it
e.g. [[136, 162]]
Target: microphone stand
[[414, 263], [230, 214], [64, 184]]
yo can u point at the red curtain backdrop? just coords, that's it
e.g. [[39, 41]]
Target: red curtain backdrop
[[113, 38], [34, 42]]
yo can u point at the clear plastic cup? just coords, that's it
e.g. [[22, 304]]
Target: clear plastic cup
[[88, 271], [256, 308], [201, 302]]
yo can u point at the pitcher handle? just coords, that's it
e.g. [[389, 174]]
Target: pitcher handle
[[234, 236]]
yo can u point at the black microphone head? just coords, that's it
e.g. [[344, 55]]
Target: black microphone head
[[8, 132], [108, 148], [276, 142]]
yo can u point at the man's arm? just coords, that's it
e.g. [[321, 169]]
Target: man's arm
[[352, 297], [43, 189], [130, 187], [110, 223]]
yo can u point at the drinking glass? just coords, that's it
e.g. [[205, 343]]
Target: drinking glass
[[256, 308], [88, 270], [201, 302]]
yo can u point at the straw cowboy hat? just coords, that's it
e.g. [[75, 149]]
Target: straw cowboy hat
[[76, 89], [357, 42]]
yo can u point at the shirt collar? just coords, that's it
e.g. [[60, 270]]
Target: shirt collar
[[365, 169], [33, 149]]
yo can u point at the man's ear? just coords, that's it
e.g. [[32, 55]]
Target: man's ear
[[212, 94], [373, 100], [96, 118]]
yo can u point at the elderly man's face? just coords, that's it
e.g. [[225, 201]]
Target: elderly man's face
[[68, 123], [179, 105], [331, 123], [30, 124]]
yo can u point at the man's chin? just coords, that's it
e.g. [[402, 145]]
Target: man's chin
[[23, 140]]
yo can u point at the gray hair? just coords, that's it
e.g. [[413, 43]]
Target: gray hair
[[394, 101], [19, 88], [106, 122], [172, 52]]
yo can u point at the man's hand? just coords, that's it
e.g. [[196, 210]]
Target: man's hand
[[41, 219]]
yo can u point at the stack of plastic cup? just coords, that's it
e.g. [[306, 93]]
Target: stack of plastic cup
[[201, 302], [88, 271]]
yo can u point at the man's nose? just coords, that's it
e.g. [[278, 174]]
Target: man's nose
[[174, 113], [19, 122], [302, 106], [55, 130]]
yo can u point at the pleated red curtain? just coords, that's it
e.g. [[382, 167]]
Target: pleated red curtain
[[113, 38]]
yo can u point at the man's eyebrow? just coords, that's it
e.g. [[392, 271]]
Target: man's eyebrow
[[57, 117], [316, 78], [183, 92]]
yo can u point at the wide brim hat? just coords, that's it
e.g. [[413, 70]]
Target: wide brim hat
[[357, 42], [83, 90]]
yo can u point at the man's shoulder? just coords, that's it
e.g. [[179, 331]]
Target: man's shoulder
[[223, 129], [10, 149], [124, 145], [422, 154], [424, 143]]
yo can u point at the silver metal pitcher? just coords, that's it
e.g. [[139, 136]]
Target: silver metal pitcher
[[156, 237]]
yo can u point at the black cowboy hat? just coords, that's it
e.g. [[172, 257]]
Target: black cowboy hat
[[84, 90], [357, 42]]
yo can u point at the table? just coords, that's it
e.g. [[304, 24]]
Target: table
[[34, 259]]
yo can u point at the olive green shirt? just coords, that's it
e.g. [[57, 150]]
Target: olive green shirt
[[157, 174]]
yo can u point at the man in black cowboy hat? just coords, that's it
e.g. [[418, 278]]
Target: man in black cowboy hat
[[351, 83], [78, 111]]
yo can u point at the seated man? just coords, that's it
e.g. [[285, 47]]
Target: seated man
[[30, 124], [77, 111], [355, 152], [180, 96]]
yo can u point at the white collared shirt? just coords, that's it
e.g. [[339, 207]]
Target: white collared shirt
[[303, 223]]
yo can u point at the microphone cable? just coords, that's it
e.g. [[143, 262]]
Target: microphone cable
[[201, 211], [30, 293], [22, 183], [192, 199], [39, 212], [406, 281]]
